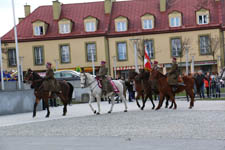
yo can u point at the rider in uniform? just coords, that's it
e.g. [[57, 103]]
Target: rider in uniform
[[155, 65], [173, 75], [102, 74], [50, 84]]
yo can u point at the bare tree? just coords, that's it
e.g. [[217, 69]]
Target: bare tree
[[214, 46]]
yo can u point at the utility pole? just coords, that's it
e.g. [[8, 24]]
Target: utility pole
[[2, 77], [17, 48], [186, 54], [93, 62], [114, 63]]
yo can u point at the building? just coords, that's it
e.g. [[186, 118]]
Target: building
[[67, 34]]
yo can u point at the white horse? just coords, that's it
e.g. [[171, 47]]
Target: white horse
[[89, 81], [222, 74]]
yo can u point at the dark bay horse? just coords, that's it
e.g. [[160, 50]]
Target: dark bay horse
[[36, 82], [142, 87], [165, 88]]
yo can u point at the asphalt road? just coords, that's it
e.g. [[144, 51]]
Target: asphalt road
[[202, 128]]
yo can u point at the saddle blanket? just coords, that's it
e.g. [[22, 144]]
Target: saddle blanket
[[116, 90]]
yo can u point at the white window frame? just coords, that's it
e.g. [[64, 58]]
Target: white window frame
[[121, 26], [90, 26], [150, 49], [204, 19], [147, 24], [176, 47], [91, 47], [204, 45], [12, 58], [37, 30], [65, 53], [38, 55], [175, 21], [122, 51], [64, 28]]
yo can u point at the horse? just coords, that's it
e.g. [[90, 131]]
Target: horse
[[89, 81], [165, 88], [36, 83], [142, 87]]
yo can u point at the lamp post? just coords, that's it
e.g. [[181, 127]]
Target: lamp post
[[93, 62], [114, 63], [56, 64], [2, 78], [135, 41], [21, 67], [17, 48], [193, 64], [186, 54]]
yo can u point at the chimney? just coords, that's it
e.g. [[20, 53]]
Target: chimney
[[162, 5], [108, 6], [27, 10], [56, 7]]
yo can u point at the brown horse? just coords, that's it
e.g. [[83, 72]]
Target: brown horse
[[36, 82], [165, 88]]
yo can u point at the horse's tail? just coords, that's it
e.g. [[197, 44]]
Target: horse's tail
[[70, 92], [124, 87]]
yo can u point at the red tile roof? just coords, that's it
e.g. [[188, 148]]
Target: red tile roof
[[133, 10]]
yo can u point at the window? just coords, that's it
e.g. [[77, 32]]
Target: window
[[38, 55], [147, 24], [121, 26], [204, 45], [175, 21], [176, 47], [149, 47], [122, 51], [203, 19], [12, 57], [65, 53], [64, 28], [91, 49], [90, 26], [38, 30]]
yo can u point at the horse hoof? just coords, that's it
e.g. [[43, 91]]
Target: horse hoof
[[97, 113], [190, 107], [64, 114], [34, 116], [157, 108], [142, 108], [47, 116], [153, 107], [125, 110], [109, 112]]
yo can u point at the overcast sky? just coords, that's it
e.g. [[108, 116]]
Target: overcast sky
[[6, 13]]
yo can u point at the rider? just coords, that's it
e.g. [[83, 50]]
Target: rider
[[155, 65], [102, 74], [50, 84], [173, 75]]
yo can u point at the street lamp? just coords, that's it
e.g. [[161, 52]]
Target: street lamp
[[2, 78], [186, 54], [135, 41], [114, 63], [21, 67], [93, 62], [56, 64]]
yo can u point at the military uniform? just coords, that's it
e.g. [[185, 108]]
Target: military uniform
[[50, 83], [173, 75], [106, 85]]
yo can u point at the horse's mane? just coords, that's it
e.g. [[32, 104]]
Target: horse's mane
[[160, 74], [37, 76]]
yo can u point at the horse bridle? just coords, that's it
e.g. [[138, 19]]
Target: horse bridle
[[85, 82]]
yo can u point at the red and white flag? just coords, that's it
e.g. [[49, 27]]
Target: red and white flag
[[147, 61]]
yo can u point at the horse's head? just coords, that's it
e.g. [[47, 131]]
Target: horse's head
[[83, 80], [28, 76], [155, 74], [132, 75]]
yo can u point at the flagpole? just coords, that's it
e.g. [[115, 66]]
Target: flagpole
[[17, 48]]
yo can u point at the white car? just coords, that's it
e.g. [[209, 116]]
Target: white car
[[67, 75]]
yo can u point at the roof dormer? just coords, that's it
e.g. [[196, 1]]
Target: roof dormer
[[65, 26], [90, 24], [121, 24], [147, 21], [202, 16], [175, 19], [39, 27]]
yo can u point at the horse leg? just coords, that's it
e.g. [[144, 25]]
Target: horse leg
[[151, 98], [37, 100], [167, 102], [112, 104], [191, 94], [46, 105], [63, 99], [98, 103], [143, 99], [137, 97], [172, 97], [90, 101], [161, 96]]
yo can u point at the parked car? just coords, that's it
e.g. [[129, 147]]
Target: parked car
[[68, 75]]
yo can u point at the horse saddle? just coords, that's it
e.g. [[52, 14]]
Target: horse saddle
[[116, 90]]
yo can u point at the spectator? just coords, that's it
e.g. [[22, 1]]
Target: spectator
[[207, 82], [130, 88], [213, 86], [218, 85], [200, 83]]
